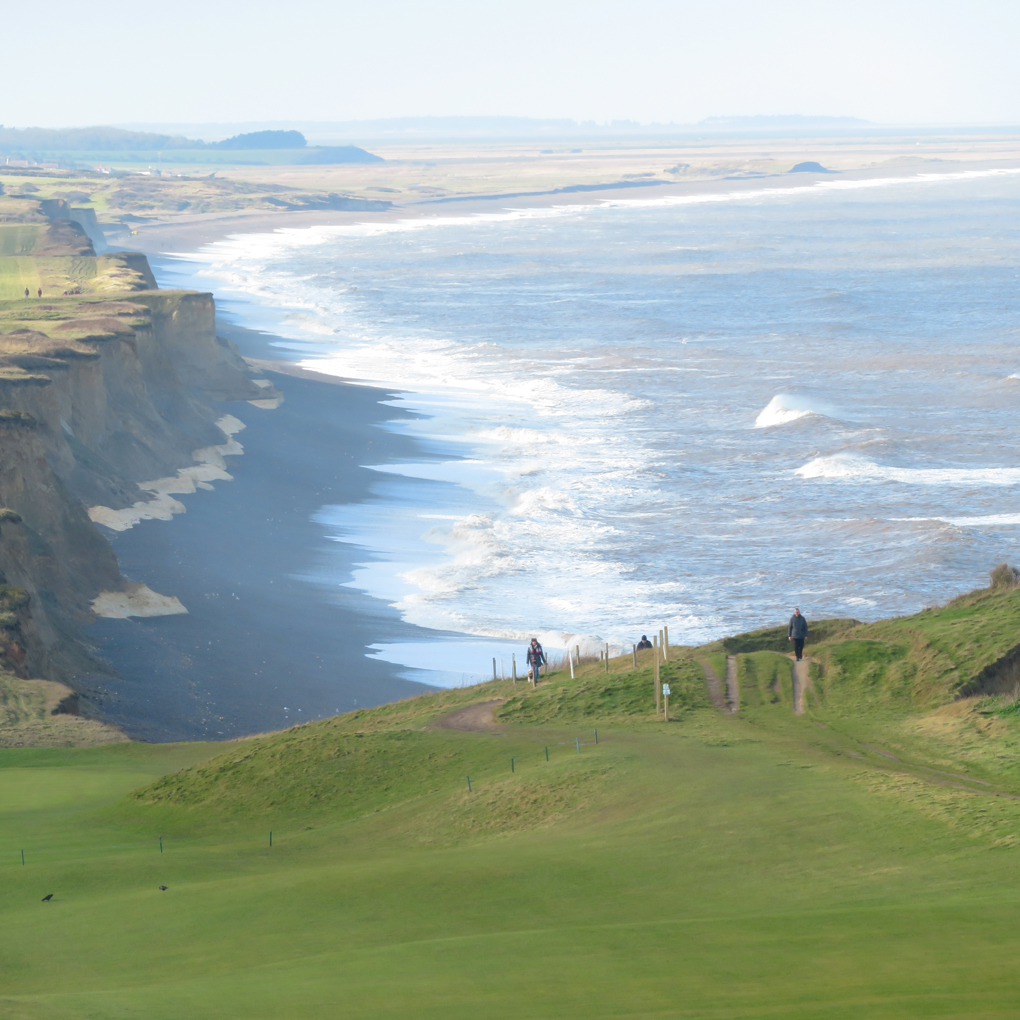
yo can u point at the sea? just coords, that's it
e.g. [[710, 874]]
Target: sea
[[689, 411]]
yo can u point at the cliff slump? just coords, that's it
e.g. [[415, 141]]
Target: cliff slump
[[97, 395]]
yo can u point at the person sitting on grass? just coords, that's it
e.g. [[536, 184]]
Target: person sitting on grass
[[644, 642], [536, 657], [797, 633]]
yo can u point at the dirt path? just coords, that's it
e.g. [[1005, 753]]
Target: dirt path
[[800, 673], [472, 719], [732, 685], [715, 686]]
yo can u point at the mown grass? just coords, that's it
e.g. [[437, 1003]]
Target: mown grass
[[714, 866]]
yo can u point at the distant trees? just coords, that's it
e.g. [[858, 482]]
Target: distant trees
[[263, 140]]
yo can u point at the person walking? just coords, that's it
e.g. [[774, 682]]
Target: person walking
[[797, 633], [536, 658]]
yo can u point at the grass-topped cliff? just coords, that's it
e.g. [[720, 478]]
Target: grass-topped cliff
[[856, 860], [105, 383]]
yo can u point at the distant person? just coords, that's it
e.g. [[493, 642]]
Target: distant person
[[28, 293], [40, 292], [536, 658], [797, 633], [644, 642]]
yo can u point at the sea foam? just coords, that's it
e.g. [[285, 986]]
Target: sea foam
[[854, 467]]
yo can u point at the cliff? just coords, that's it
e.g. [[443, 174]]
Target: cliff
[[109, 385]]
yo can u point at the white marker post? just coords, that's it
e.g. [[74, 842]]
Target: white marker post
[[665, 642], [665, 701]]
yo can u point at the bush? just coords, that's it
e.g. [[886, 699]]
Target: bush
[[1004, 576]]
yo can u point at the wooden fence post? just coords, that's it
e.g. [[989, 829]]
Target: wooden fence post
[[665, 642], [658, 686]]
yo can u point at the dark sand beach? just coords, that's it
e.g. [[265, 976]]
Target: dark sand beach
[[271, 637]]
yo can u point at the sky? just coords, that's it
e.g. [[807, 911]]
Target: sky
[[893, 62]]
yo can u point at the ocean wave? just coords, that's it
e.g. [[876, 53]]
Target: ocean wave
[[854, 467], [987, 521], [786, 407]]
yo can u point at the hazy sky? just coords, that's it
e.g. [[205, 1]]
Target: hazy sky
[[646, 60]]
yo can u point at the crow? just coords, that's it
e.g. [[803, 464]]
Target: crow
[[48, 896], [163, 888]]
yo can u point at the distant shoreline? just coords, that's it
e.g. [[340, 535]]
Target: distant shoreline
[[188, 233]]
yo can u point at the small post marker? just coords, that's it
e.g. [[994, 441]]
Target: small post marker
[[270, 837], [570, 658], [633, 651], [502, 671], [23, 852], [665, 698], [546, 758], [596, 736], [577, 653], [469, 784], [578, 742], [160, 844], [511, 765], [494, 667], [513, 661]]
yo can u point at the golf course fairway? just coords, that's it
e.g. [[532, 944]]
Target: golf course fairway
[[759, 864]]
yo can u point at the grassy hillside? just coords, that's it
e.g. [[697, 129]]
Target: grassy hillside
[[832, 865]]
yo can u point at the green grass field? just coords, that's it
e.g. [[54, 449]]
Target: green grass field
[[833, 865]]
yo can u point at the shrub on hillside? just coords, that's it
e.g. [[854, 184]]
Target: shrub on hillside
[[1004, 576]]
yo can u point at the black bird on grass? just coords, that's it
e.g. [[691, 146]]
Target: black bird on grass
[[163, 888], [48, 896]]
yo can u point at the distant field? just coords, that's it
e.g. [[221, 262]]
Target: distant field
[[826, 866]]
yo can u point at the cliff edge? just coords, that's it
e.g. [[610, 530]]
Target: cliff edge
[[105, 383]]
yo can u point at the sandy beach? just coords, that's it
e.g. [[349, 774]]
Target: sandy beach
[[267, 640]]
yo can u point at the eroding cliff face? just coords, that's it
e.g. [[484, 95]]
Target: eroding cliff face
[[97, 395]]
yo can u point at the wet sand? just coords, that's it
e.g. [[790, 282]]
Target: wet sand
[[271, 637]]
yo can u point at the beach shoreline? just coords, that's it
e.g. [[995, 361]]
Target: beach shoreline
[[188, 233], [273, 634]]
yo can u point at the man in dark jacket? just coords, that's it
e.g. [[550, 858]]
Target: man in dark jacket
[[797, 633], [536, 658]]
